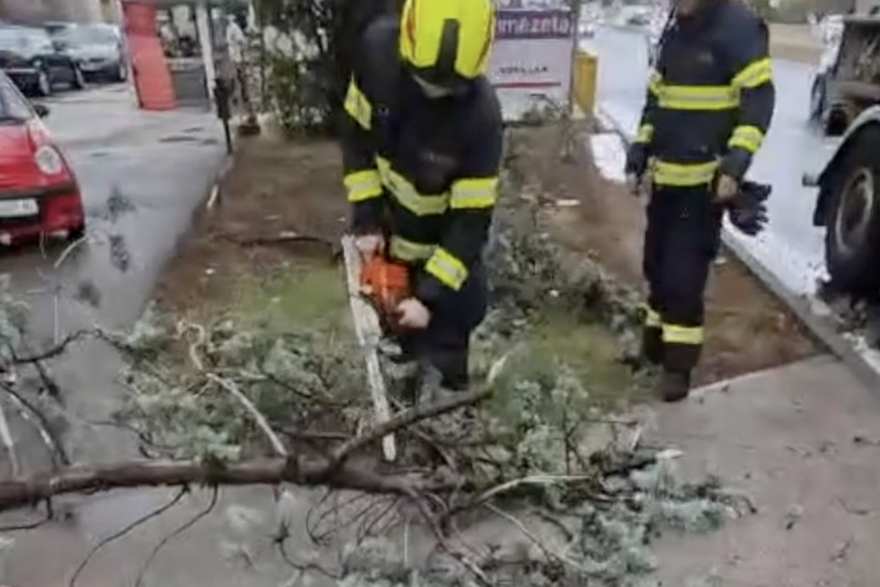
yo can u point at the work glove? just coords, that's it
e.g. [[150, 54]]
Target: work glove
[[369, 244], [412, 313], [636, 165], [747, 210]]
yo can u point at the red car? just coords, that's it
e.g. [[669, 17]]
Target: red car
[[39, 194]]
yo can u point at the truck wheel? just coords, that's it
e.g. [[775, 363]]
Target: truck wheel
[[852, 233]]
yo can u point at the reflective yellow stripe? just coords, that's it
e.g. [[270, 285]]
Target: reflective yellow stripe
[[448, 269], [407, 250], [754, 74], [682, 174], [697, 97], [746, 137], [358, 106], [363, 185], [682, 334], [655, 82], [645, 134], [652, 318], [474, 193], [405, 192]]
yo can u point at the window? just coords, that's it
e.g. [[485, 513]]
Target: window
[[12, 104]]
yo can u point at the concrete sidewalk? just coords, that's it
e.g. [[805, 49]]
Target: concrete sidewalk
[[804, 442]]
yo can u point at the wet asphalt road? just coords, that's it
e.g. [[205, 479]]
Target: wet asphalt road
[[160, 166], [163, 164], [791, 248]]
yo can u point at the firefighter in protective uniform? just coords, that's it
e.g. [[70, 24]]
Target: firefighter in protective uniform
[[422, 140], [709, 104]]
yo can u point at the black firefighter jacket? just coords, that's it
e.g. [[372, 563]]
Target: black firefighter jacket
[[710, 98], [423, 171]]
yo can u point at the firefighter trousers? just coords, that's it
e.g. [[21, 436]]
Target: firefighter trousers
[[445, 343], [681, 242]]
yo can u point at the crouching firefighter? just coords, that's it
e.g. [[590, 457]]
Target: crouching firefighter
[[422, 140], [709, 104]]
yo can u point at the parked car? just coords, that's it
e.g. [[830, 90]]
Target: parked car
[[96, 48], [29, 58], [39, 194]]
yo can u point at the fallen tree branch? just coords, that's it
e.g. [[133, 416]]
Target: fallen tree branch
[[157, 473]]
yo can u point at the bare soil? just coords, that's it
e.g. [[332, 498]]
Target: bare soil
[[747, 328], [248, 253], [281, 203]]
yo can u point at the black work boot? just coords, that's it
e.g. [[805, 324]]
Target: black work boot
[[673, 386], [652, 345]]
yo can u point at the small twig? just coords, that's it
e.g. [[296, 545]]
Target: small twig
[[258, 417], [122, 532], [403, 419], [177, 532]]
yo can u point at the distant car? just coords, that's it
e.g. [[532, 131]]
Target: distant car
[[97, 50], [39, 194], [29, 58]]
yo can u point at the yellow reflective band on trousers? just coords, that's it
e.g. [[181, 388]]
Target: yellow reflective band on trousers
[[746, 137], [682, 174], [697, 97], [447, 269], [406, 250], [405, 192], [682, 334], [754, 74], [652, 318], [363, 185], [358, 106], [645, 134], [474, 193]]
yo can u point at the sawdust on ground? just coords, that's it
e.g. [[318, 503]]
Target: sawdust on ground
[[747, 328]]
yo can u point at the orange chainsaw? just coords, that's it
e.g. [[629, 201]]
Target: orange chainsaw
[[385, 284]]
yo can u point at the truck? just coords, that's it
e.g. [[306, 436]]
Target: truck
[[848, 76], [848, 200]]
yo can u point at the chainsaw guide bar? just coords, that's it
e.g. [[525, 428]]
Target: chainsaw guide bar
[[370, 337]]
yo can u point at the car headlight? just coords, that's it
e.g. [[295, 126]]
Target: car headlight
[[49, 160]]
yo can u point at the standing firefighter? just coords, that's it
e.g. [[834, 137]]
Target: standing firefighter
[[710, 101], [421, 151]]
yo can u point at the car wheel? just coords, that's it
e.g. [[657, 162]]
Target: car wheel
[[43, 87], [852, 233], [77, 233], [79, 80], [121, 72]]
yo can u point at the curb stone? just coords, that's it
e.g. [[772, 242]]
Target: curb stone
[[801, 306]]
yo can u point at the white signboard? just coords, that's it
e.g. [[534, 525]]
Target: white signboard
[[531, 62]]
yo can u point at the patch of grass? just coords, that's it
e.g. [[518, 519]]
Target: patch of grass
[[589, 350], [312, 295], [304, 295]]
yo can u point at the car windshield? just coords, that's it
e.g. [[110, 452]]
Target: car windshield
[[82, 35], [12, 39]]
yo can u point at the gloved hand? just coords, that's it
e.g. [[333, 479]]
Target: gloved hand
[[747, 210], [369, 244], [636, 165], [413, 313]]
